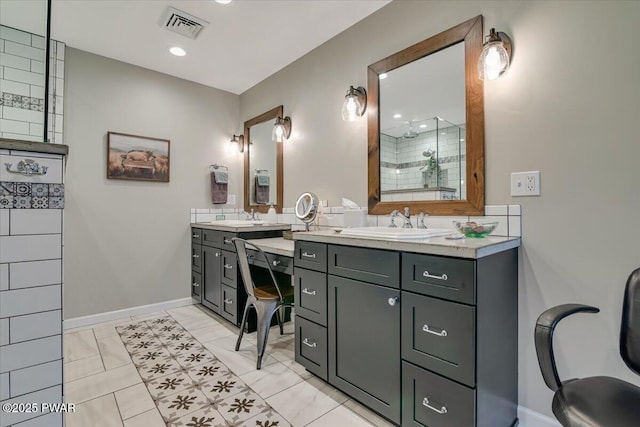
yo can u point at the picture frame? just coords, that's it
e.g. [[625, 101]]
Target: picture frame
[[137, 158]]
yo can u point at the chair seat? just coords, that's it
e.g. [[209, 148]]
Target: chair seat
[[270, 292], [597, 402]]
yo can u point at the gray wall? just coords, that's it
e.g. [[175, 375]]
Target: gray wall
[[127, 242], [568, 107]]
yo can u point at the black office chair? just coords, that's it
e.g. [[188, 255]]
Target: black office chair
[[594, 401], [266, 298]]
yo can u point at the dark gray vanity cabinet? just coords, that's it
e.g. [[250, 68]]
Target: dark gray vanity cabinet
[[215, 277], [424, 340]]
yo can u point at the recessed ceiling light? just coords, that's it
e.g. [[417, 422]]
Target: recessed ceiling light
[[423, 126], [177, 51], [397, 116], [223, 1], [382, 76]]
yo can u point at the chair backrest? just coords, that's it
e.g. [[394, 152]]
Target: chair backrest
[[243, 260], [630, 326]]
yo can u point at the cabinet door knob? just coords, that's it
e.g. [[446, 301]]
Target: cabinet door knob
[[392, 301], [195, 256], [276, 262], [227, 241], [442, 410], [217, 254]]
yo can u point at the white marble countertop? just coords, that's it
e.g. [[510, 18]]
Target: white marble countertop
[[240, 228], [275, 245], [464, 248]]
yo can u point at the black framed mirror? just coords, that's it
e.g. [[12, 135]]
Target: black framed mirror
[[426, 126]]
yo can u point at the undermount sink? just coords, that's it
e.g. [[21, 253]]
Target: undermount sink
[[387, 233], [238, 222]]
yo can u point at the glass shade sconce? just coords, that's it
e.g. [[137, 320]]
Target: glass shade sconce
[[281, 129], [496, 55], [355, 104], [237, 143]]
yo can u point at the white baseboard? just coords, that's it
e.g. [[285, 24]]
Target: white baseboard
[[531, 418], [78, 322]]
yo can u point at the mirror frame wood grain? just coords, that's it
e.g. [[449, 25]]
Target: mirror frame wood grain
[[471, 32], [270, 115]]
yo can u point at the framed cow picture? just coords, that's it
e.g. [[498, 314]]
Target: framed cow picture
[[137, 157]]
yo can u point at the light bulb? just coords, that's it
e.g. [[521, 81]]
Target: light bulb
[[350, 109], [278, 133], [494, 60]]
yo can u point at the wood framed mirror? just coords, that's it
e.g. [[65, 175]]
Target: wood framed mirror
[[426, 126], [263, 178]]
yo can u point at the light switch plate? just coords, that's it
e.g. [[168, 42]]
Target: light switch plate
[[231, 199], [525, 184]]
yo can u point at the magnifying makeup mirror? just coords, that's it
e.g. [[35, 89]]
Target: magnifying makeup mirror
[[307, 208]]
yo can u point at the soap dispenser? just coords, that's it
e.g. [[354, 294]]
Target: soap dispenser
[[272, 217]]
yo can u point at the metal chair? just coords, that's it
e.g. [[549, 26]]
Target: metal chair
[[594, 401], [265, 298]]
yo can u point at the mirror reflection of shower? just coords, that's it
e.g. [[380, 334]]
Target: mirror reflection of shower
[[424, 157]]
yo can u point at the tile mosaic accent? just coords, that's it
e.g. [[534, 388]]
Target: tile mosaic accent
[[188, 384], [27, 195], [21, 101]]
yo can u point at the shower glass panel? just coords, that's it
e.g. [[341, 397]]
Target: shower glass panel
[[423, 159]]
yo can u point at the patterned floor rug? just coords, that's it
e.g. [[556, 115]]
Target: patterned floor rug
[[190, 387]]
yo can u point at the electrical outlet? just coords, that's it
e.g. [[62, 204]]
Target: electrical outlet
[[231, 199], [525, 184], [324, 203]]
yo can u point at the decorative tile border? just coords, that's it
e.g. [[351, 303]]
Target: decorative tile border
[[21, 101], [190, 387], [31, 195]]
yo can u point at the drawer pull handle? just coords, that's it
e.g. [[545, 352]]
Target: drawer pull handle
[[227, 241], [392, 301], [309, 343], [217, 254], [228, 266], [431, 276], [276, 262], [196, 236], [442, 410], [308, 255], [195, 285], [27, 167], [228, 301], [195, 256], [309, 292], [442, 333]]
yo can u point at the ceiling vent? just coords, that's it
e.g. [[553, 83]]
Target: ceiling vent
[[182, 23]]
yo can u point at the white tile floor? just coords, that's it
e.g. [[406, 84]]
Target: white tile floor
[[101, 379]]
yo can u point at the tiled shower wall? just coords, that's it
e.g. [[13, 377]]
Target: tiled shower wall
[[31, 252], [22, 86], [401, 160]]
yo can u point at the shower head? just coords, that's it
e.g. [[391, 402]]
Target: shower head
[[410, 134]]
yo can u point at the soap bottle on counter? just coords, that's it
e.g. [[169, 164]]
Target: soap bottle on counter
[[272, 217]]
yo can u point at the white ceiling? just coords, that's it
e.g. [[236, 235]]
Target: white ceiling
[[245, 42]]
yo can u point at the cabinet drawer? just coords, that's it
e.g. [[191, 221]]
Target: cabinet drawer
[[196, 258], [311, 255], [440, 336], [196, 285], [212, 238], [433, 401], [229, 307], [311, 295], [280, 263], [442, 277], [229, 269], [311, 347], [196, 236], [226, 243], [369, 265]]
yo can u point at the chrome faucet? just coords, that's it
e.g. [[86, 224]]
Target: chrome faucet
[[406, 216], [420, 222], [252, 216]]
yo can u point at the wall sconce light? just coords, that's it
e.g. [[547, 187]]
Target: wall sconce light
[[237, 142], [495, 57], [355, 104], [281, 129]]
